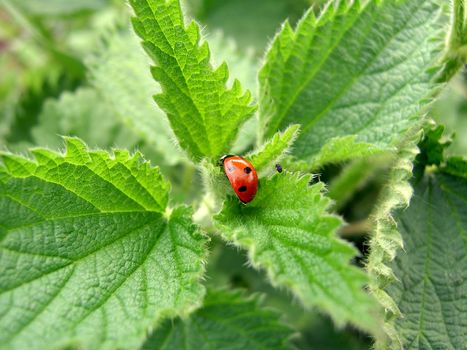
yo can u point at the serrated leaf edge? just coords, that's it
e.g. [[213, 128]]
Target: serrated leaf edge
[[386, 240], [81, 156], [282, 281]]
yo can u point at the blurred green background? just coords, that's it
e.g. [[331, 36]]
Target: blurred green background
[[73, 67]]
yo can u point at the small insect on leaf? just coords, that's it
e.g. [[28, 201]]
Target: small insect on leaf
[[242, 176]]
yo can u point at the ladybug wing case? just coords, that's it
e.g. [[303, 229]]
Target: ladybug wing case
[[242, 176]]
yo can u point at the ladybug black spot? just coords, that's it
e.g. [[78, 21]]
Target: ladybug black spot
[[242, 189], [247, 170]]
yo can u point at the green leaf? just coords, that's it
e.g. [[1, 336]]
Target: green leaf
[[386, 239], [60, 7], [228, 320], [44, 85], [353, 177], [239, 19], [456, 166], [90, 255], [264, 160], [430, 288], [357, 69], [244, 65], [450, 110], [204, 114], [455, 54], [83, 114], [289, 233], [432, 148], [321, 334], [344, 148], [273, 151], [120, 73]]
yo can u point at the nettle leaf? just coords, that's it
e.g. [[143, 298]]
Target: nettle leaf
[[340, 149], [257, 23], [355, 176], [90, 255], [450, 110], [204, 114], [265, 158], [430, 288], [289, 232], [386, 239], [357, 69], [243, 65], [456, 166], [81, 113], [42, 86], [432, 146], [120, 73], [228, 320], [61, 7]]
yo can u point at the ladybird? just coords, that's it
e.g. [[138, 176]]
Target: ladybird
[[242, 176]]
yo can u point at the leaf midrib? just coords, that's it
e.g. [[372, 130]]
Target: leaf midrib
[[104, 300], [302, 86], [313, 281], [426, 278], [54, 218], [302, 266], [321, 257], [397, 91], [41, 310], [455, 213], [185, 78], [346, 88], [426, 265], [78, 258], [48, 180], [161, 186], [137, 267]]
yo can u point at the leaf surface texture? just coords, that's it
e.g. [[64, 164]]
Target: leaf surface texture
[[204, 114], [288, 231], [229, 321], [430, 288], [360, 70], [88, 252]]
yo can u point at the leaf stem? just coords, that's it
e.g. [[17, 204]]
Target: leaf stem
[[456, 46], [458, 33], [356, 229]]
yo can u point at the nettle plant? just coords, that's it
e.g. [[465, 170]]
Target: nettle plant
[[95, 254]]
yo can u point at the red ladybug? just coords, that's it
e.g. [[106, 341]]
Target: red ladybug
[[242, 176]]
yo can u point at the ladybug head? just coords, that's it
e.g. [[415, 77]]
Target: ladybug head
[[223, 158]]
